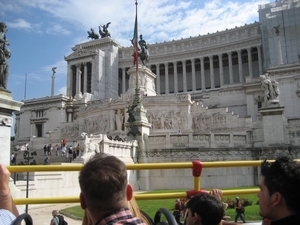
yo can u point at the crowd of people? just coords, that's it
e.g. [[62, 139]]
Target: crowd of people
[[106, 196], [62, 150], [117, 138]]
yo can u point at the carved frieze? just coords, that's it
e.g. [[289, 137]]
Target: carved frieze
[[168, 120], [201, 138], [205, 122], [157, 139], [222, 138]]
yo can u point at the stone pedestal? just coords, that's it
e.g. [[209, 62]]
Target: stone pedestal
[[7, 106], [139, 130], [273, 125], [146, 81]]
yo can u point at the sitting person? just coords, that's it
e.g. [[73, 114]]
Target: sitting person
[[279, 194], [204, 209], [105, 192]]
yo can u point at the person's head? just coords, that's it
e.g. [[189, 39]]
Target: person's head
[[204, 209], [54, 213], [279, 194], [237, 199], [103, 184]]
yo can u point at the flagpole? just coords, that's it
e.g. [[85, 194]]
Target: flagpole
[[25, 86], [136, 49]]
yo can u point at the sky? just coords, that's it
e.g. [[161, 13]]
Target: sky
[[42, 32]]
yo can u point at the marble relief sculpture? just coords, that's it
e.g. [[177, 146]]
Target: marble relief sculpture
[[270, 88]]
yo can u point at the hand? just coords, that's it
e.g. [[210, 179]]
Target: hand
[[4, 180], [217, 193]]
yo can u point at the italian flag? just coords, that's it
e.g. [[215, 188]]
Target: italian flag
[[135, 41]]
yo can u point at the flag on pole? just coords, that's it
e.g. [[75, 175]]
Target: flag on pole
[[135, 42]]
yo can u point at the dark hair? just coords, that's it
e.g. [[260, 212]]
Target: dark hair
[[208, 207], [103, 182], [283, 176]]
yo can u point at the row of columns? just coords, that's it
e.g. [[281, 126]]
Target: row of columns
[[211, 66], [80, 88]]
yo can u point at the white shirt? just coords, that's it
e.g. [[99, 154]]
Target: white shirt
[[6, 217]]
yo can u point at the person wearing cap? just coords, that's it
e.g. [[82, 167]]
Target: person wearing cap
[[238, 210]]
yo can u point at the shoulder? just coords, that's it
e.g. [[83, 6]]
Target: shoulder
[[6, 217]]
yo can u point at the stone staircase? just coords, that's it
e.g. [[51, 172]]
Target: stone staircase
[[38, 157], [39, 160]]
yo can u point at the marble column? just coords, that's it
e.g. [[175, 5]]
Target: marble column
[[240, 63], [157, 79], [221, 69], [184, 75], [202, 74], [78, 82], [279, 51], [123, 80], [175, 77], [211, 69], [166, 78], [250, 62], [69, 80], [259, 60], [230, 67], [85, 78], [193, 75]]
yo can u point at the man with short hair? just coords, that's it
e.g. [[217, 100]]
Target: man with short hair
[[105, 192], [204, 209], [279, 194]]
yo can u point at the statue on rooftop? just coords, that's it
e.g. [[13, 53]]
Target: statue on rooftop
[[92, 34], [104, 32], [4, 56]]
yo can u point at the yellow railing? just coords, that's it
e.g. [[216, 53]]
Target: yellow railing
[[196, 167]]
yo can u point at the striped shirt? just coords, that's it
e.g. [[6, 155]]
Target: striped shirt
[[6, 217], [120, 216]]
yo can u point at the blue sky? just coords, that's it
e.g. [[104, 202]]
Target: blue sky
[[42, 32]]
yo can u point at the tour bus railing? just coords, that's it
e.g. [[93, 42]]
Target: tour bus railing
[[195, 165]]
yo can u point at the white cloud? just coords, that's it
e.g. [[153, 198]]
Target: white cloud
[[57, 29], [20, 23], [159, 20]]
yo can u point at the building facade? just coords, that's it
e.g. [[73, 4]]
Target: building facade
[[204, 97]]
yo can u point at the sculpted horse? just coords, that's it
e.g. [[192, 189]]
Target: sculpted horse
[[104, 33], [92, 34], [143, 51], [144, 54]]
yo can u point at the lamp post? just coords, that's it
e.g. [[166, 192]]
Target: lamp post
[[28, 158]]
